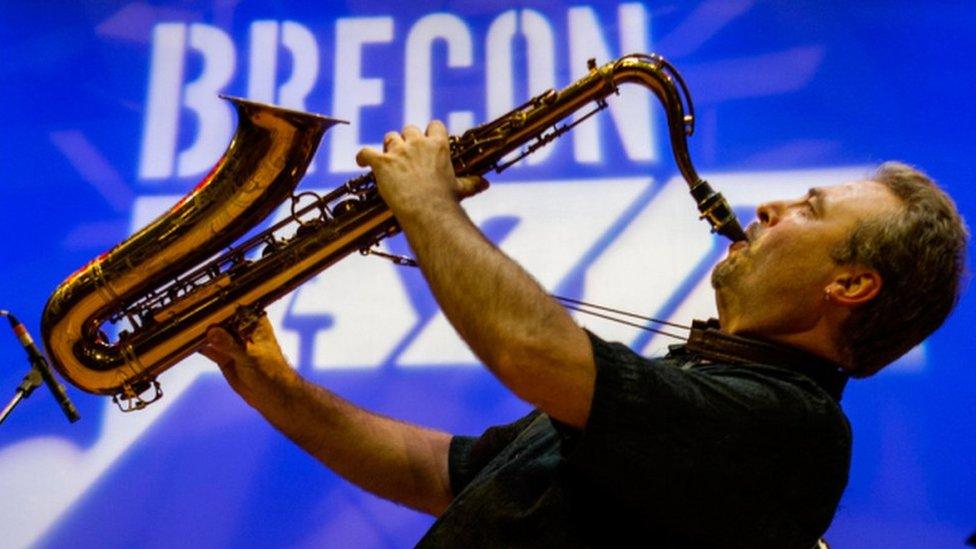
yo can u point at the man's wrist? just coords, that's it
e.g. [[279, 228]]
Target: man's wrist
[[277, 382], [424, 207]]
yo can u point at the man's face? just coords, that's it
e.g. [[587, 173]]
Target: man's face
[[775, 284]]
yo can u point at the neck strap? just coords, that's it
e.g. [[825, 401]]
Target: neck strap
[[707, 341]]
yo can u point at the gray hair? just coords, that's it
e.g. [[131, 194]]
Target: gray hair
[[920, 255]]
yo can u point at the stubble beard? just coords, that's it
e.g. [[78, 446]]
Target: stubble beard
[[722, 274], [725, 271]]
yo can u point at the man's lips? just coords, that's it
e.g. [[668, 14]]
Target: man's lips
[[752, 231]]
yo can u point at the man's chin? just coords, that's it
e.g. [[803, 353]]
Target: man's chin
[[722, 273]]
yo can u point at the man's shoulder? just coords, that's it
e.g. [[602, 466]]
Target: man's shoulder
[[779, 387], [747, 390]]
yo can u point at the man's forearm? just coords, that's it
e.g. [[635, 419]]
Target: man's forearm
[[505, 316], [398, 461], [532, 345]]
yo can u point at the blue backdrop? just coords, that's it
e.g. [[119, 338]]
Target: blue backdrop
[[110, 115]]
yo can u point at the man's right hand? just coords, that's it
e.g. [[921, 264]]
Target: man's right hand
[[251, 368], [405, 463]]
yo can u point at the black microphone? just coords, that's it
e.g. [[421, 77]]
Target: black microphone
[[40, 363]]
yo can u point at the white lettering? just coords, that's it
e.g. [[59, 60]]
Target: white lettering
[[263, 64], [540, 58], [352, 92], [215, 118], [304, 49], [302, 46], [417, 78], [163, 101], [631, 111]]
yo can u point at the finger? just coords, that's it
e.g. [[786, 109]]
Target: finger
[[367, 157], [226, 364], [470, 185], [391, 139], [411, 132], [436, 129], [219, 340], [263, 331]]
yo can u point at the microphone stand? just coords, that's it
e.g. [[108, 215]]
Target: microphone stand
[[31, 381]]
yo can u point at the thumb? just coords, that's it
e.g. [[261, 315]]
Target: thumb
[[228, 355], [221, 341], [469, 185]]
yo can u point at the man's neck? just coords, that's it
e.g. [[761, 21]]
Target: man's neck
[[708, 342], [818, 340]]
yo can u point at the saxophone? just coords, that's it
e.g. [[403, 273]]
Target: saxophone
[[176, 277]]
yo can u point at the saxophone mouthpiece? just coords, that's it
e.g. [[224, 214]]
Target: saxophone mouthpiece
[[732, 230], [716, 210]]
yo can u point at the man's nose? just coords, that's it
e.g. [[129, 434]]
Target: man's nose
[[768, 213]]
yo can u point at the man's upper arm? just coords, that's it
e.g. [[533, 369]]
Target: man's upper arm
[[557, 375]]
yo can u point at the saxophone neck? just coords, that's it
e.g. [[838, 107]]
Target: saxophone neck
[[655, 73]]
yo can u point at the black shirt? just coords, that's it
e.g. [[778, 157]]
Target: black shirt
[[677, 452]]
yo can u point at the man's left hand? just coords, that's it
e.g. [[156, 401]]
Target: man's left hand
[[415, 169]]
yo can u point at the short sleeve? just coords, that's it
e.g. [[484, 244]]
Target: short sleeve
[[467, 455], [657, 433]]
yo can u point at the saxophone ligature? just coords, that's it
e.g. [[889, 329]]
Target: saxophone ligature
[[177, 276]]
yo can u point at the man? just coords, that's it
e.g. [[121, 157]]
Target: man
[[729, 441]]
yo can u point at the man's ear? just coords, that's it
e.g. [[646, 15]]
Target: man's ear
[[854, 287]]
